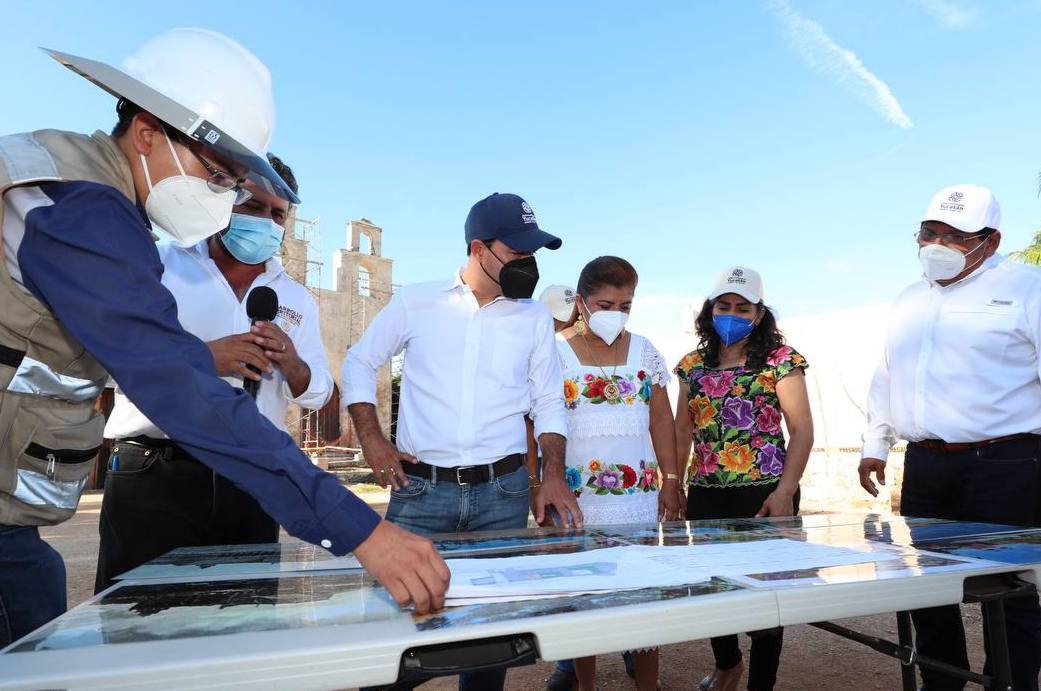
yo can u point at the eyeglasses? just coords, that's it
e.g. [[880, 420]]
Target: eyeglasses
[[220, 181], [924, 235]]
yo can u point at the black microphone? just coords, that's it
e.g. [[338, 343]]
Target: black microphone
[[261, 305]]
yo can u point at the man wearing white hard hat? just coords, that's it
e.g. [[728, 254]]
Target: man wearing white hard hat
[[81, 299], [959, 381]]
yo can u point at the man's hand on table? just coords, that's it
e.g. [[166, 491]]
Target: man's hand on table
[[407, 565]]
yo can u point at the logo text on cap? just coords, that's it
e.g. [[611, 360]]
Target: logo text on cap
[[527, 215]]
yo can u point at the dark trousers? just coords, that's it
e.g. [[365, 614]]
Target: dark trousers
[[158, 499], [32, 582], [999, 483], [765, 653]]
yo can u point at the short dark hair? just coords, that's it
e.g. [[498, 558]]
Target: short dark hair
[[126, 111], [486, 243], [607, 270], [284, 171]]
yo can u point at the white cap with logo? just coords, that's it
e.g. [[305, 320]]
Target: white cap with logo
[[968, 208], [740, 280], [560, 300]]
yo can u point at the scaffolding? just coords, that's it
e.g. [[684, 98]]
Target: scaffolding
[[309, 231], [309, 423], [317, 430]]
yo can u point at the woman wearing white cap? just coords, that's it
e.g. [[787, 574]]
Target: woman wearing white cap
[[735, 388]]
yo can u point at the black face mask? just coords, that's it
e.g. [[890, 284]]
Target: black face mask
[[517, 278]]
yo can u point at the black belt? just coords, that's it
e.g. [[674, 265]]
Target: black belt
[[159, 446], [467, 474], [954, 447]]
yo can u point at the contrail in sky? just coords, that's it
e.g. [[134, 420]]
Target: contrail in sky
[[950, 14], [820, 52]]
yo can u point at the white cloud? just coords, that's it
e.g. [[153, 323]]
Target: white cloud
[[820, 52], [950, 15]]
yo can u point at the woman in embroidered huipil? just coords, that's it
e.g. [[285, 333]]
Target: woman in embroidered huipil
[[620, 428], [735, 389]]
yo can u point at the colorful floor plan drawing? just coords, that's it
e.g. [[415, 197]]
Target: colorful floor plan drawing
[[511, 575]]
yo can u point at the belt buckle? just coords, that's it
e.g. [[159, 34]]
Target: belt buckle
[[459, 477]]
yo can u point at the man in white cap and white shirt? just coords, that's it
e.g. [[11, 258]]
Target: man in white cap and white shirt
[[81, 299], [959, 380]]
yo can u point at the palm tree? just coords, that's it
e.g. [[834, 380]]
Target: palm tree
[[1031, 254]]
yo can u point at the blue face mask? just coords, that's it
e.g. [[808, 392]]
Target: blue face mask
[[732, 329], [252, 239]]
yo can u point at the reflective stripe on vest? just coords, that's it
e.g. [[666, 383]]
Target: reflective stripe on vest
[[37, 489], [34, 377], [26, 159]]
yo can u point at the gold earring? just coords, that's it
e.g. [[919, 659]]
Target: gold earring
[[579, 326]]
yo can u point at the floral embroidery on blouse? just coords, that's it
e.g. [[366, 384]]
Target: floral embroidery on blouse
[[615, 389], [612, 478], [736, 420]]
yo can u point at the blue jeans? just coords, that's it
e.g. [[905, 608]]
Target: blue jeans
[[427, 507], [32, 582]]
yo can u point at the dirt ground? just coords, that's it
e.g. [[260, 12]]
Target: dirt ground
[[813, 660]]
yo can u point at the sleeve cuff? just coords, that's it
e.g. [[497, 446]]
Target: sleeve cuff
[[358, 381], [319, 391], [351, 396], [875, 449], [345, 527], [553, 426]]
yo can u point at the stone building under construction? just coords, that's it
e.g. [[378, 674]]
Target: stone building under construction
[[362, 284]]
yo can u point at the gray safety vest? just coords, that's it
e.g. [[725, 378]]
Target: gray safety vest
[[50, 430]]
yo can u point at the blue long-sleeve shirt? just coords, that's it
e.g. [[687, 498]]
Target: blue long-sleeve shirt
[[89, 256]]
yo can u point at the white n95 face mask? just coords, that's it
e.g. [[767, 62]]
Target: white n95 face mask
[[942, 263], [608, 324], [185, 206]]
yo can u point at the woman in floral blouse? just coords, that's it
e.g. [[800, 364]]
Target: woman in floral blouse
[[734, 391], [620, 428]]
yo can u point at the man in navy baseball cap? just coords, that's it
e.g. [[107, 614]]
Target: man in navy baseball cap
[[481, 359], [508, 218]]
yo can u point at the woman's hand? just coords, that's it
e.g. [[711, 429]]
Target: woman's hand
[[672, 504], [779, 503]]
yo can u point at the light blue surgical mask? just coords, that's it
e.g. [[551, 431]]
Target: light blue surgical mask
[[731, 328], [252, 239]]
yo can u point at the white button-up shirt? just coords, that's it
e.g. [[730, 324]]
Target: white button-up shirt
[[470, 373], [208, 308], [961, 362]]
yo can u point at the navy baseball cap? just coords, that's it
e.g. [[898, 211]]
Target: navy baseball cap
[[508, 218]]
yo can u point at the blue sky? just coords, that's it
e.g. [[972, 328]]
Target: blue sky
[[802, 138]]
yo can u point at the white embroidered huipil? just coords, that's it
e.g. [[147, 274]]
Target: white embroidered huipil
[[611, 465]]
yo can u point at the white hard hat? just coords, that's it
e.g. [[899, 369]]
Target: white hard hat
[[202, 83]]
